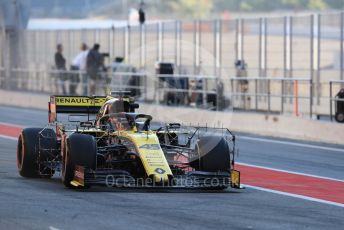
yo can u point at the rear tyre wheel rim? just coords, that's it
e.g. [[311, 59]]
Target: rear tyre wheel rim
[[64, 166], [20, 153]]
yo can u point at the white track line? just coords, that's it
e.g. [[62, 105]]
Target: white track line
[[296, 196], [291, 172], [53, 228], [13, 125], [9, 138], [291, 143]]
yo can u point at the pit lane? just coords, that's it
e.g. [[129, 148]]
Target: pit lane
[[44, 204]]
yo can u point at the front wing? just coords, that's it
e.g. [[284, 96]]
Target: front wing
[[121, 178]]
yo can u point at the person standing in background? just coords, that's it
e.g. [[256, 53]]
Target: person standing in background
[[60, 63], [242, 85], [79, 64], [94, 62]]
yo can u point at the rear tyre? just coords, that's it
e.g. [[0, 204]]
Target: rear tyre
[[80, 150], [28, 156]]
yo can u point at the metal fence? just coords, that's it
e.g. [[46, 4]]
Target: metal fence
[[295, 46], [277, 50], [207, 92]]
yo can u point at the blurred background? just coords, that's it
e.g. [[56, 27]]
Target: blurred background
[[290, 52], [183, 9]]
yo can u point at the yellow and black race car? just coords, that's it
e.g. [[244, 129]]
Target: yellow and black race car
[[117, 147]]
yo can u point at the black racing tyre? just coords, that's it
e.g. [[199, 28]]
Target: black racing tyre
[[81, 149], [212, 155], [339, 117], [28, 156]]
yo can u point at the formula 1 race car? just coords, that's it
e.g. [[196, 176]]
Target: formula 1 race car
[[117, 147]]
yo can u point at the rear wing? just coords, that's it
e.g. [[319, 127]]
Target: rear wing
[[74, 105]]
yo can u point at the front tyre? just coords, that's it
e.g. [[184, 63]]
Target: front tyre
[[80, 150], [213, 155]]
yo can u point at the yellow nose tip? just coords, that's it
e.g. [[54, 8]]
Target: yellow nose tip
[[160, 178]]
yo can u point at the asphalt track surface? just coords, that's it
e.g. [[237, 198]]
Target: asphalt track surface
[[46, 204]]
